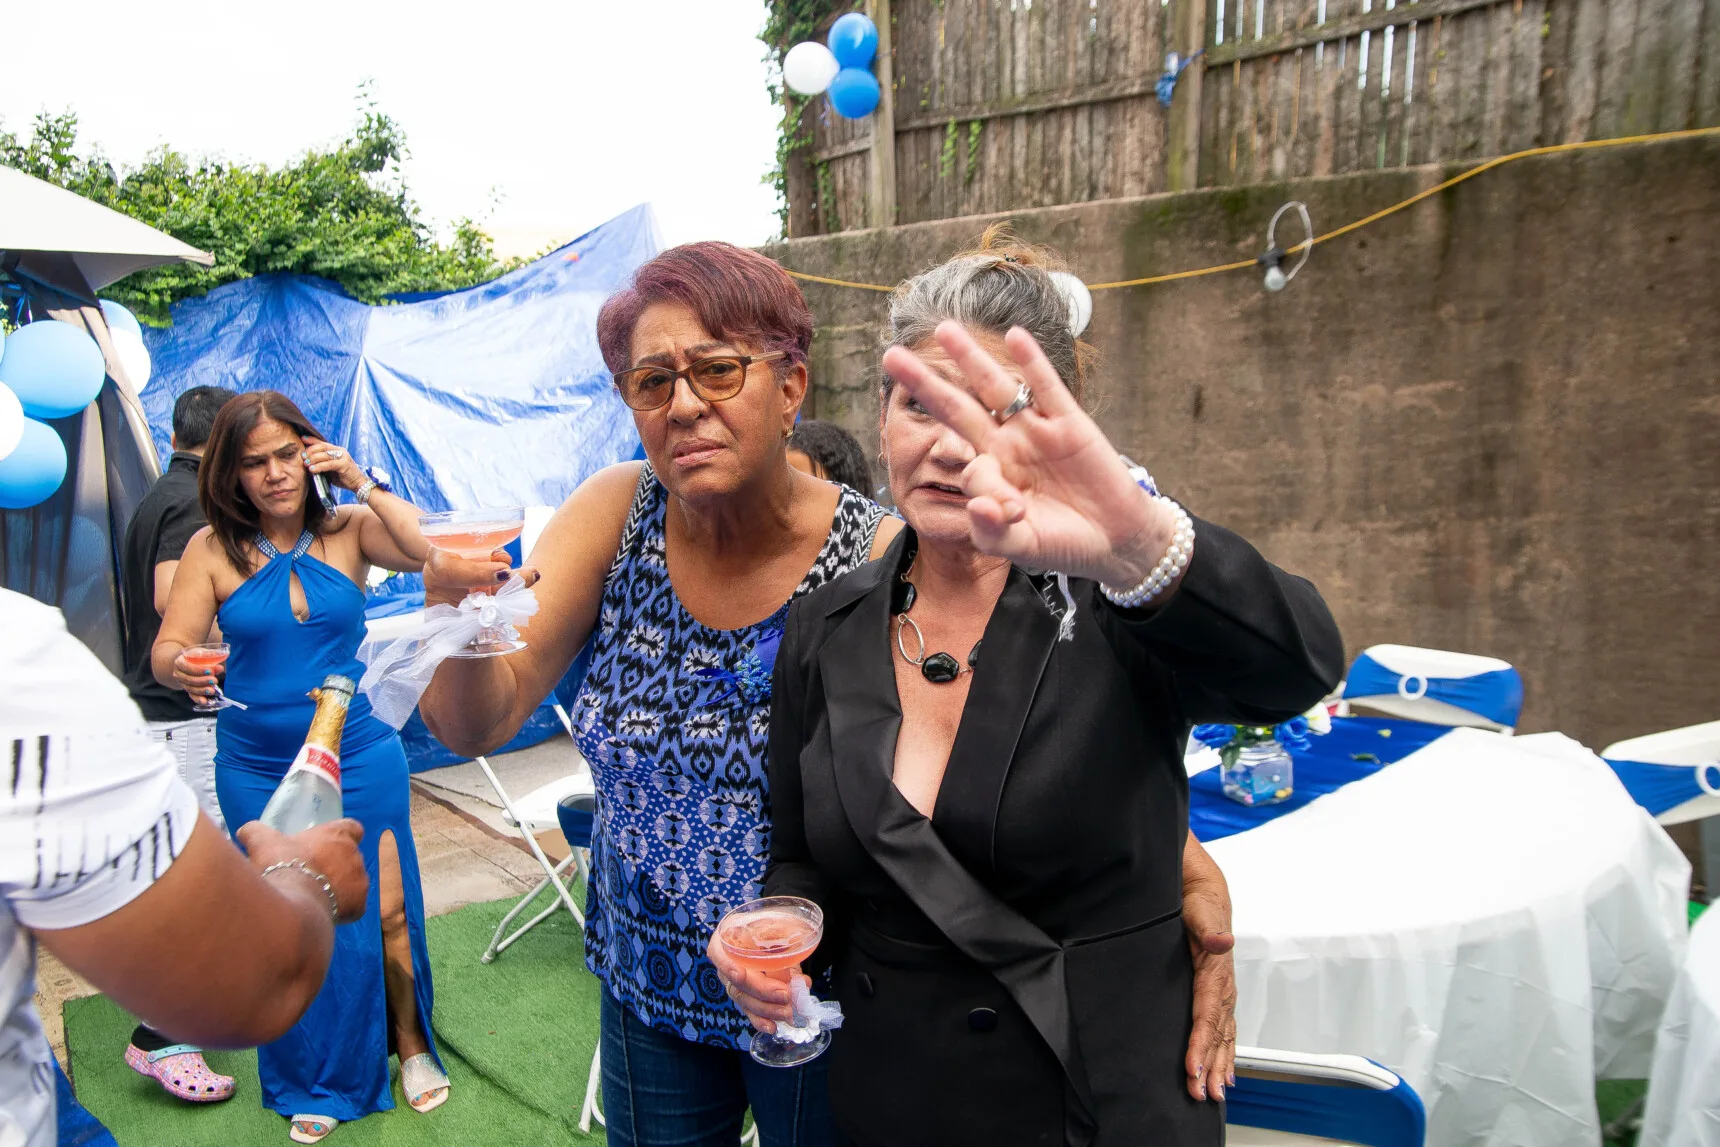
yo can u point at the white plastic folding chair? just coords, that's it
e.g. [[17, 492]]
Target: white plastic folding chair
[[1436, 687], [1284, 1097], [538, 811], [1691, 759]]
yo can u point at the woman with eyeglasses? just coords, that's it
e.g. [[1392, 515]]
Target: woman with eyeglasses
[[679, 570]]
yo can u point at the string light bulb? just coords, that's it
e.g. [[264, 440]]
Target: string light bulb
[[1277, 278]]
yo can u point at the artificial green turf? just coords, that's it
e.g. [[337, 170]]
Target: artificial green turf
[[516, 1036]]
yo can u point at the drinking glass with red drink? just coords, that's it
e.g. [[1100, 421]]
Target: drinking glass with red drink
[[773, 935], [475, 535], [210, 656]]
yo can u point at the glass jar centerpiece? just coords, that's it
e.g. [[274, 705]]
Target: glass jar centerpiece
[[1255, 766]]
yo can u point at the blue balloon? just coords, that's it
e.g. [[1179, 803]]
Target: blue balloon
[[33, 470], [54, 368], [853, 93], [853, 40], [118, 318]]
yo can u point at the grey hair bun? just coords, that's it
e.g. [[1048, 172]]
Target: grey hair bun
[[1001, 284]]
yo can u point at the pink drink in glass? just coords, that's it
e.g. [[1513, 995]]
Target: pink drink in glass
[[773, 935], [210, 656], [475, 535], [476, 542]]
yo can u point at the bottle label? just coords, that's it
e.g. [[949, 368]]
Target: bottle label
[[316, 759]]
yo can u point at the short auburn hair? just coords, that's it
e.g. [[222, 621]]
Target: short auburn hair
[[738, 296], [232, 516]]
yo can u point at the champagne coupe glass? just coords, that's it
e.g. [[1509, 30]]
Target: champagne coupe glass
[[474, 535], [210, 655], [772, 935]]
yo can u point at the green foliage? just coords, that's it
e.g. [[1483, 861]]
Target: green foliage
[[342, 214], [947, 154], [975, 128], [787, 23], [824, 207]]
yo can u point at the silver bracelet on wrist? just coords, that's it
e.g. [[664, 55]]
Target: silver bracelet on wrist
[[328, 889], [1169, 568], [363, 492]]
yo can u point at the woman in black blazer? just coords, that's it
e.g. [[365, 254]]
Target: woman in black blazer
[[977, 769]]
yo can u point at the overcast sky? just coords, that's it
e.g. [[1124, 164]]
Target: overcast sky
[[563, 112]]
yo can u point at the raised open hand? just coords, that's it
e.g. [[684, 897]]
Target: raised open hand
[[1046, 489]]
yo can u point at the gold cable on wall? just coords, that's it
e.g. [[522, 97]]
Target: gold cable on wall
[[1499, 161]]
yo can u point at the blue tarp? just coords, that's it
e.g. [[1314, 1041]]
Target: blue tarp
[[491, 396]]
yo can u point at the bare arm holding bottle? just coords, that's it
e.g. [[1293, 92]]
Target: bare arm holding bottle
[[163, 913], [256, 947]]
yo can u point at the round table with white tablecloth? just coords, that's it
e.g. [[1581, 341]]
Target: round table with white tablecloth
[[1492, 917], [1683, 1107]]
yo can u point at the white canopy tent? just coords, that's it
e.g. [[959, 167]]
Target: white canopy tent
[[104, 245], [61, 248]]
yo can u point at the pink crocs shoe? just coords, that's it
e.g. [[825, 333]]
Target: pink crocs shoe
[[181, 1072]]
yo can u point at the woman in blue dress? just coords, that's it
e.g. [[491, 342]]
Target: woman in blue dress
[[280, 573]]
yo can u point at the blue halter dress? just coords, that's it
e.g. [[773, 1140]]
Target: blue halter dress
[[334, 1061]]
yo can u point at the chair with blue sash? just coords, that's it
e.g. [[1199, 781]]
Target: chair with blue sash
[[1284, 1097], [1436, 687], [1675, 775]]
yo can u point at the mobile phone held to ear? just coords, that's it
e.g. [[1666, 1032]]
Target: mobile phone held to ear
[[323, 491]]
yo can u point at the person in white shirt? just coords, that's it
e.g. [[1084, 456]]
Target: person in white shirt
[[106, 861]]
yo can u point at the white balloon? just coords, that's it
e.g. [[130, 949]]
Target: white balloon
[[809, 67], [133, 356], [1079, 298], [11, 420]]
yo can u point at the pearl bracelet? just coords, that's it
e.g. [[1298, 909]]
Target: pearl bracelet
[[363, 492], [1170, 566], [328, 889]]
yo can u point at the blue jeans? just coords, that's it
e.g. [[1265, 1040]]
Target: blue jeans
[[660, 1090]]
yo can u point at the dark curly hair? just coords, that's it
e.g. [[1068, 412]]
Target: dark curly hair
[[834, 451]]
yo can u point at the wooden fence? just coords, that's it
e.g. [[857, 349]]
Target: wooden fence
[[1000, 105]]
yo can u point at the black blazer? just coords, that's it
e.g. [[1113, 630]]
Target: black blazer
[[1014, 970]]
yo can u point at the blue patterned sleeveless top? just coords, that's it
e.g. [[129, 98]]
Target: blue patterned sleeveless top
[[674, 718]]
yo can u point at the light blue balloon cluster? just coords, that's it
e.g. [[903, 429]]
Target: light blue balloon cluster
[[841, 67], [52, 370], [34, 469], [853, 40]]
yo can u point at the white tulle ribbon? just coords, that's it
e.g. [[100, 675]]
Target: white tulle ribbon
[[815, 1015], [398, 670]]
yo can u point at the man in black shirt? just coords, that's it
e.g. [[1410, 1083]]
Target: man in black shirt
[[154, 542]]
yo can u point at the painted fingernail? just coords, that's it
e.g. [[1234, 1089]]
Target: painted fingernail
[[1231, 1079], [502, 575], [1218, 1091], [1200, 1069]]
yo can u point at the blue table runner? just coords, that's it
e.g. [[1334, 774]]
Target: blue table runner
[[1356, 747]]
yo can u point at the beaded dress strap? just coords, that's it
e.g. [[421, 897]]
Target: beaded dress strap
[[268, 550]]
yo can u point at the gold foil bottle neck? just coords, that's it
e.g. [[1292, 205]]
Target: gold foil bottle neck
[[332, 698]]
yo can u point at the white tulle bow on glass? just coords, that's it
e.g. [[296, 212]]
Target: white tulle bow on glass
[[812, 1015], [398, 670]]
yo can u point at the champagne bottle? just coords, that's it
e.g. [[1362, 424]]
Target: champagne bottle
[[309, 794]]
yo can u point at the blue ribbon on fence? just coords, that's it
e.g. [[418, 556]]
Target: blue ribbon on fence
[[1497, 695]]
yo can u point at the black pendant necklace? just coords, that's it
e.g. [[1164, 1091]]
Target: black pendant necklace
[[938, 668]]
